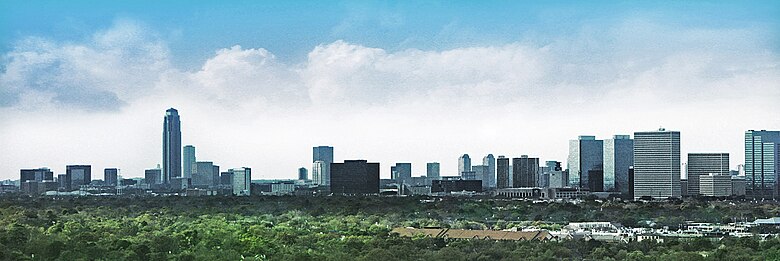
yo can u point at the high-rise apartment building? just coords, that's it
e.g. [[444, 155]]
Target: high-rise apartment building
[[526, 171], [618, 157], [657, 164], [188, 160], [503, 173], [586, 155], [702, 164], [762, 163], [171, 146]]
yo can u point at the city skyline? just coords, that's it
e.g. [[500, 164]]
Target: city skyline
[[386, 82]]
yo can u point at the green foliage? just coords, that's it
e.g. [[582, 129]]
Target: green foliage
[[340, 228]]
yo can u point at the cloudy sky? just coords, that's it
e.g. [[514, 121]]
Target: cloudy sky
[[258, 83]]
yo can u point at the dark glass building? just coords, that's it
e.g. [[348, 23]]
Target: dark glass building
[[78, 175], [525, 171], [110, 176], [762, 163], [171, 146], [455, 185], [586, 153], [354, 177], [502, 172]]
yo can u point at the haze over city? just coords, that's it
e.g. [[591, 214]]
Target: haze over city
[[88, 83]]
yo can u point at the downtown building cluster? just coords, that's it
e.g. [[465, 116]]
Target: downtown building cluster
[[648, 165], [176, 175]]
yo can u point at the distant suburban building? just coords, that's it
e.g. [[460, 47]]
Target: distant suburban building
[[490, 162], [618, 157], [586, 154], [323, 155], [189, 159], [204, 174], [171, 167], [762, 163], [354, 177], [242, 181], [553, 175], [433, 170], [503, 173], [320, 173], [110, 176], [39, 174], [153, 176], [464, 164], [455, 185], [482, 172], [737, 186], [657, 164], [525, 171], [78, 175], [702, 164], [714, 185], [402, 172], [303, 173]]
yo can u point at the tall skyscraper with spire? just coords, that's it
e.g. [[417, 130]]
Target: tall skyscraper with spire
[[171, 146]]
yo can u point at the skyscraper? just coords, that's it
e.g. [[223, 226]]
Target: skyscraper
[[433, 170], [242, 181], [110, 176], [153, 176], [203, 175], [526, 171], [171, 146], [39, 174], [464, 164], [762, 163], [303, 174], [702, 164], [403, 172], [490, 162], [482, 172], [657, 164], [502, 172], [618, 157], [355, 177], [189, 159], [586, 154], [320, 173], [78, 175]]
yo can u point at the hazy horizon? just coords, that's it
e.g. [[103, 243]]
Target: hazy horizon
[[259, 84]]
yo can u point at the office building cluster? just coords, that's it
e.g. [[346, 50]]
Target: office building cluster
[[649, 165]]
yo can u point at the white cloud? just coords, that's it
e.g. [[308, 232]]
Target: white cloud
[[245, 107]]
